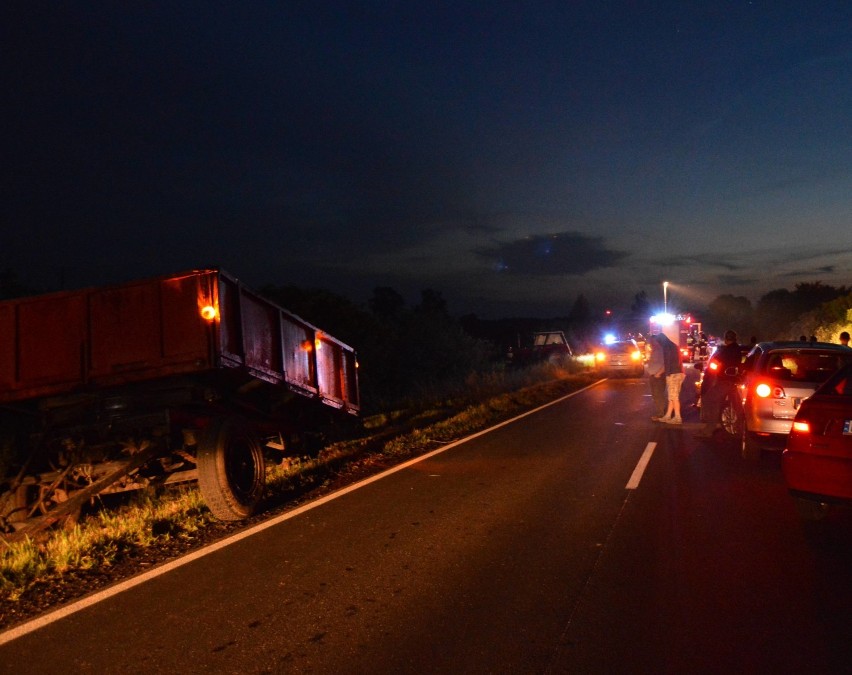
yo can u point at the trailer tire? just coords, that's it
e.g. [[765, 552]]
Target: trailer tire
[[231, 471]]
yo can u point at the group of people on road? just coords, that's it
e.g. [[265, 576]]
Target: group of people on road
[[666, 376], [665, 371]]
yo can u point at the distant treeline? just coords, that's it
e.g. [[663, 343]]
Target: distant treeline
[[810, 309]]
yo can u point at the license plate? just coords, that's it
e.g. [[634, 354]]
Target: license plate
[[847, 427]]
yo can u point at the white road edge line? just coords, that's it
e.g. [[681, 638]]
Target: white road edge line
[[633, 483], [99, 596]]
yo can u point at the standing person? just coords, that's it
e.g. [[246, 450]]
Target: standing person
[[844, 338], [674, 379], [717, 386], [657, 378]]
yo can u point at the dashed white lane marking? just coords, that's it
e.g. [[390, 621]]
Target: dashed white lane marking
[[633, 483]]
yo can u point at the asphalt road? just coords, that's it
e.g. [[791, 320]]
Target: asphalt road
[[519, 551]]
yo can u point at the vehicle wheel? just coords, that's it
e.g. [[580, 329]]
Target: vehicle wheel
[[811, 510], [231, 472], [732, 418], [751, 451]]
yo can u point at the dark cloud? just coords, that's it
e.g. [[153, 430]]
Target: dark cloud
[[561, 254]]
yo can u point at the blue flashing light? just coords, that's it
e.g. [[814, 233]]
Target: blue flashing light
[[609, 338]]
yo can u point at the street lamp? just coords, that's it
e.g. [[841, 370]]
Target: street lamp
[[665, 297]]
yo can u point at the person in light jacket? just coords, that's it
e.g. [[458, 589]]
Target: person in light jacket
[[674, 379]]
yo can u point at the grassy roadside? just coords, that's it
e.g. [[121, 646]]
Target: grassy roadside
[[108, 537]]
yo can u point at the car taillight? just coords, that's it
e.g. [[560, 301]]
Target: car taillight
[[713, 365], [600, 356], [801, 427], [635, 356], [765, 391]]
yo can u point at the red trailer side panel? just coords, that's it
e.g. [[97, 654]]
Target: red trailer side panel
[[148, 329], [56, 344], [51, 333], [8, 346], [299, 364], [182, 300], [261, 337]]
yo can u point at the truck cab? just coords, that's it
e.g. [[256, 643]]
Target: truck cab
[[550, 346]]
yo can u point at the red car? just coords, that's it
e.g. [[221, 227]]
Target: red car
[[817, 461]]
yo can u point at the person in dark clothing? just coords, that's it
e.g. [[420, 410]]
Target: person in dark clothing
[[718, 384], [657, 378]]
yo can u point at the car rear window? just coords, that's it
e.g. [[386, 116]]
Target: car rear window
[[622, 347], [840, 384], [805, 366]]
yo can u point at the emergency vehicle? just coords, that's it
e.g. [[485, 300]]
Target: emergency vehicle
[[684, 332]]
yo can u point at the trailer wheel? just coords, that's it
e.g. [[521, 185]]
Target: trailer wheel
[[231, 470]]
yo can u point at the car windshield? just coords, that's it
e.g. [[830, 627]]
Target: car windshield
[[805, 365], [549, 339]]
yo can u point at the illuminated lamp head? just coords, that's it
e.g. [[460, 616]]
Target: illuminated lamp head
[[763, 390], [209, 312], [663, 319]]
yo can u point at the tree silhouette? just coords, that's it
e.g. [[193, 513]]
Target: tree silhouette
[[729, 312], [386, 302]]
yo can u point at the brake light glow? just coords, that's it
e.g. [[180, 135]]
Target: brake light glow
[[713, 365], [635, 355], [801, 426], [209, 312], [763, 390]]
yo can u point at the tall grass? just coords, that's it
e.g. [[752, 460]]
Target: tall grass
[[102, 539]]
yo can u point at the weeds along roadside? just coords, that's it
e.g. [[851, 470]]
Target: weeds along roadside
[[108, 537]]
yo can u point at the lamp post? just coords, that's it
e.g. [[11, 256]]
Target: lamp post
[[665, 297]]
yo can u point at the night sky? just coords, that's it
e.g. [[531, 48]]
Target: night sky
[[511, 155]]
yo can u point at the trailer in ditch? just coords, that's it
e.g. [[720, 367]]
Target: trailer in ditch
[[176, 378]]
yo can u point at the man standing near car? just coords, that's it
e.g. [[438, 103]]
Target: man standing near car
[[720, 383], [657, 378], [674, 379]]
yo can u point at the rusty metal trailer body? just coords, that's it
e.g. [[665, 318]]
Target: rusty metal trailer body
[[192, 368]]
